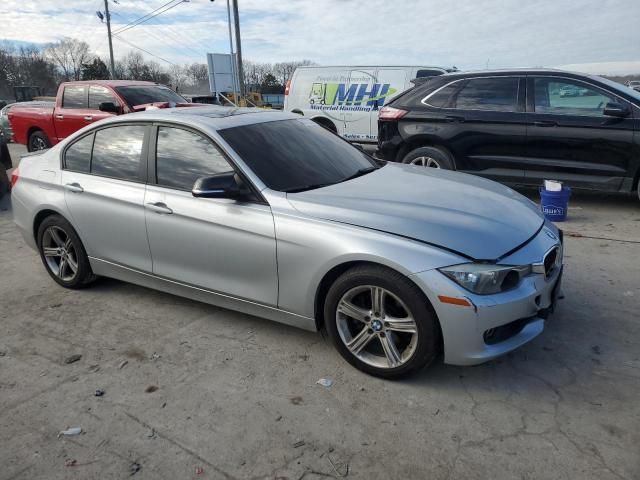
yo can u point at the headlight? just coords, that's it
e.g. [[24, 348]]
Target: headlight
[[485, 278]]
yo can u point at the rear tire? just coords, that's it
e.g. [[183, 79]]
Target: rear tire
[[387, 334], [432, 157], [63, 254], [38, 141]]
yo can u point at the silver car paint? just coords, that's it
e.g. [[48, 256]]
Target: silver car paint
[[468, 214], [307, 246]]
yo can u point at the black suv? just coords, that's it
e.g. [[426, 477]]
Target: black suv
[[519, 127]]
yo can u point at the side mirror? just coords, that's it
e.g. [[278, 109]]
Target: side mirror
[[222, 185], [613, 109], [109, 107]]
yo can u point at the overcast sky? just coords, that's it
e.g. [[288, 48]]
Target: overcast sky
[[597, 36]]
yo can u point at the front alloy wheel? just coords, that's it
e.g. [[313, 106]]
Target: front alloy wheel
[[376, 326], [381, 322]]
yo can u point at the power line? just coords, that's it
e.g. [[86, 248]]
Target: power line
[[146, 15], [143, 20], [146, 51]]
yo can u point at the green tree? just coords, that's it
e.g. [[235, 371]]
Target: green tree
[[271, 85], [95, 70]]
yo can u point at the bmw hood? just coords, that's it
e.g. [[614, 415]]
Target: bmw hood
[[470, 215]]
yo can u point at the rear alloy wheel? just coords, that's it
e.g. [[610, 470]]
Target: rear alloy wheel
[[430, 157], [38, 141], [62, 253], [380, 322]]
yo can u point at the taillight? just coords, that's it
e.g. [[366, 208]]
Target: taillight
[[286, 88], [390, 113], [15, 175]]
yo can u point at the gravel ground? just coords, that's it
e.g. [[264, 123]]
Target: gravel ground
[[195, 391]]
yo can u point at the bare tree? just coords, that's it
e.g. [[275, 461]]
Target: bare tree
[[178, 77], [69, 54], [197, 73], [283, 71]]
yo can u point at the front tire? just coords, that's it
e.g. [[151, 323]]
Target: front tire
[[430, 157], [38, 141], [63, 254], [381, 322]]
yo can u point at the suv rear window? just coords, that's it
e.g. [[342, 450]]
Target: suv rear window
[[499, 94]]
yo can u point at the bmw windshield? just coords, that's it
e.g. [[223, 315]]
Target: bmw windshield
[[297, 155]]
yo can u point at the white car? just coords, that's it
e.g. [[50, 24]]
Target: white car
[[346, 99]]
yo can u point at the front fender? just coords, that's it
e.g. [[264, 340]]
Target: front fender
[[310, 248]]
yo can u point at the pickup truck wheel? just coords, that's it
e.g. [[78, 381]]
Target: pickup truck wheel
[[38, 141]]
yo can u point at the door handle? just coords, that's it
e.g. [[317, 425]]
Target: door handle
[[88, 118], [454, 118], [59, 116], [546, 123], [159, 207], [74, 187]]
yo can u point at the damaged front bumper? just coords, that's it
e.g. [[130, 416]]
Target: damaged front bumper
[[492, 325]]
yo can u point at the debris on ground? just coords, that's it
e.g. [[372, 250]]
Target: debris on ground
[[296, 400], [134, 468], [199, 470], [123, 363], [70, 432], [55, 305], [99, 392], [93, 368], [298, 444], [278, 418], [154, 356], [151, 434], [151, 389], [340, 468], [70, 462], [596, 349], [325, 382], [2, 353], [72, 358]]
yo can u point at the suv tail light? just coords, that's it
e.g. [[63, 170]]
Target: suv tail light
[[286, 87], [391, 114], [15, 175]]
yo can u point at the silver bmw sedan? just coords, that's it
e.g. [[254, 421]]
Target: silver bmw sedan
[[270, 214]]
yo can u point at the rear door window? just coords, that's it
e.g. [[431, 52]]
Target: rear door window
[[183, 156], [78, 156], [497, 94], [568, 97], [98, 95], [74, 96], [442, 98], [117, 152]]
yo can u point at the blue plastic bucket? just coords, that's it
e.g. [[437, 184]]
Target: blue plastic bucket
[[554, 205]]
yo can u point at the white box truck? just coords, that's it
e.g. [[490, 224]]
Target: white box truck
[[347, 99]]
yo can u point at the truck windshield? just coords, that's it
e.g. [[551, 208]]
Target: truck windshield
[[142, 94], [297, 155]]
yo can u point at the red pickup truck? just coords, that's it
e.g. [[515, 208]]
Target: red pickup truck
[[81, 103]]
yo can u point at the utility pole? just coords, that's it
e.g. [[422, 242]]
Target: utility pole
[[106, 12], [236, 20]]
